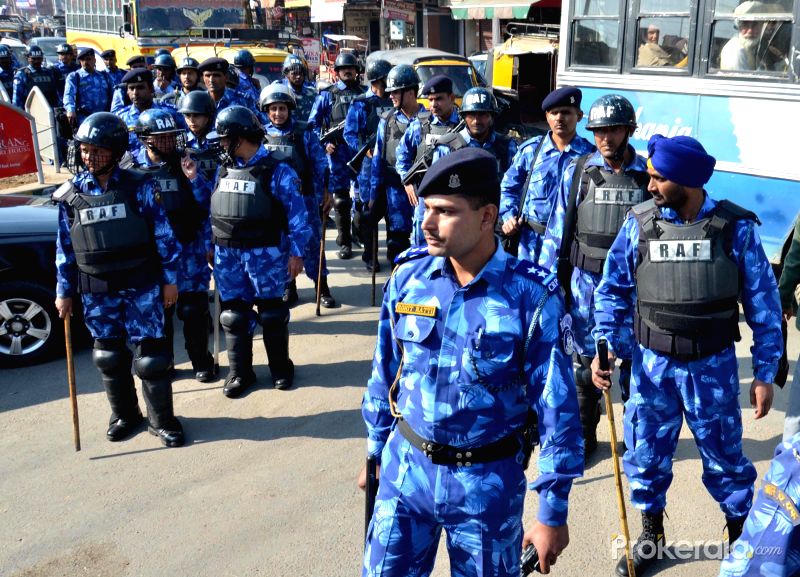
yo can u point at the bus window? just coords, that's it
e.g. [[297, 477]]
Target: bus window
[[753, 37], [596, 29], [662, 34]]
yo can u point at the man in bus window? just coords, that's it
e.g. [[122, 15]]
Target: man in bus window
[[739, 53], [651, 53]]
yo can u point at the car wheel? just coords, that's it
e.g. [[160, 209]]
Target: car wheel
[[30, 330]]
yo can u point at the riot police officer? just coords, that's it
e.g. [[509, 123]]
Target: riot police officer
[[420, 139], [292, 142], [295, 76], [188, 79], [164, 81], [535, 173], [66, 63], [199, 111], [329, 111], [260, 229], [87, 90], [185, 197], [139, 85], [215, 73], [244, 65], [670, 291], [34, 74], [7, 70], [360, 129], [116, 249], [596, 192], [110, 60], [386, 190]]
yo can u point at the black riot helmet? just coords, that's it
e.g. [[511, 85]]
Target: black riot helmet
[[239, 122], [400, 77], [478, 99], [378, 69], [188, 63], [164, 61], [35, 52], [611, 110], [345, 60], [244, 58], [105, 130], [61, 48], [157, 121], [198, 102], [294, 63], [276, 93]]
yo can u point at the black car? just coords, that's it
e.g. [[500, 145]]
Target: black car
[[30, 330]]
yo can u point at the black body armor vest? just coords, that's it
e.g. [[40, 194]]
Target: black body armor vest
[[429, 133], [454, 141], [605, 199], [376, 107], [114, 244], [47, 82], [8, 83], [290, 148], [393, 132], [185, 214], [244, 212], [687, 282], [342, 99]]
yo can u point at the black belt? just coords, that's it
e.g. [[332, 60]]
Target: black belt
[[461, 457], [537, 227]]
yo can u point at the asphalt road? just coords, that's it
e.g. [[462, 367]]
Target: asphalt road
[[266, 484]]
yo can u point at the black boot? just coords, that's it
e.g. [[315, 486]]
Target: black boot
[[152, 366], [588, 406], [735, 528], [193, 311], [325, 298], [239, 342], [290, 296], [342, 203], [113, 359], [645, 550], [274, 317]]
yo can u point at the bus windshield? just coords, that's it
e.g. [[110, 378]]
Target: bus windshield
[[174, 18]]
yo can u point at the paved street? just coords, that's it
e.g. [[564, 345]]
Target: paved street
[[266, 483]]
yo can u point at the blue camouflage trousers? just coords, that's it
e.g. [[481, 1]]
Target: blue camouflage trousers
[[706, 393], [417, 236], [194, 274], [137, 313], [530, 244], [479, 507], [311, 252], [399, 212]]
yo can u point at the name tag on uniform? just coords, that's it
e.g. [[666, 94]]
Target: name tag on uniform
[[237, 186], [285, 148], [101, 213], [168, 184], [783, 500], [207, 164], [622, 196], [679, 250], [412, 309]]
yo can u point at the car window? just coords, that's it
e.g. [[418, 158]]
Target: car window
[[459, 74], [271, 70]]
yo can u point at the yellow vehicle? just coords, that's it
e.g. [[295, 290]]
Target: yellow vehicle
[[523, 68], [429, 62], [14, 26], [132, 27], [269, 61]]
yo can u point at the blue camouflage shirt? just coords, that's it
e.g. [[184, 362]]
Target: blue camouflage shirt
[[88, 92], [615, 297], [407, 149], [130, 114], [546, 177], [314, 154], [304, 99], [233, 98], [116, 75], [489, 145], [471, 372], [355, 135], [247, 88], [166, 244]]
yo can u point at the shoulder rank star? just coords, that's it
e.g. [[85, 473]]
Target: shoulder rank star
[[567, 338]]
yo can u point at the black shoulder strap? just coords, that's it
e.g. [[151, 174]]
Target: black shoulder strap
[[732, 211], [500, 148], [564, 269], [530, 174], [452, 140], [646, 214]]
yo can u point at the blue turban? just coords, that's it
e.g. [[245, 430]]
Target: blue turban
[[681, 159]]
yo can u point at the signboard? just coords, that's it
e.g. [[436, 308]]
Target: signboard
[[312, 49], [37, 106], [397, 29], [18, 143]]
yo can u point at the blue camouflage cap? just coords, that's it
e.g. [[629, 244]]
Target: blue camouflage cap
[[564, 96], [470, 172], [437, 84]]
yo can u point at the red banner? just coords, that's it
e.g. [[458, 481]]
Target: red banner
[[17, 152]]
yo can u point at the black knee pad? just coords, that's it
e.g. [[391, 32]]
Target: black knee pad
[[152, 359], [342, 201], [111, 355], [234, 317], [273, 314], [192, 305]]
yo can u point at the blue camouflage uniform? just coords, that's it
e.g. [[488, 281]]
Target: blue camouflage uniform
[[770, 543], [354, 134], [583, 283], [137, 313], [88, 92], [384, 180], [174, 85], [304, 99], [542, 188], [406, 155], [232, 98], [316, 158], [130, 114], [248, 274], [119, 100], [247, 89], [470, 374], [7, 79], [23, 85], [489, 145], [116, 75], [66, 69], [664, 389], [318, 120]]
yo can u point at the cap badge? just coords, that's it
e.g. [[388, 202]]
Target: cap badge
[[455, 182]]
